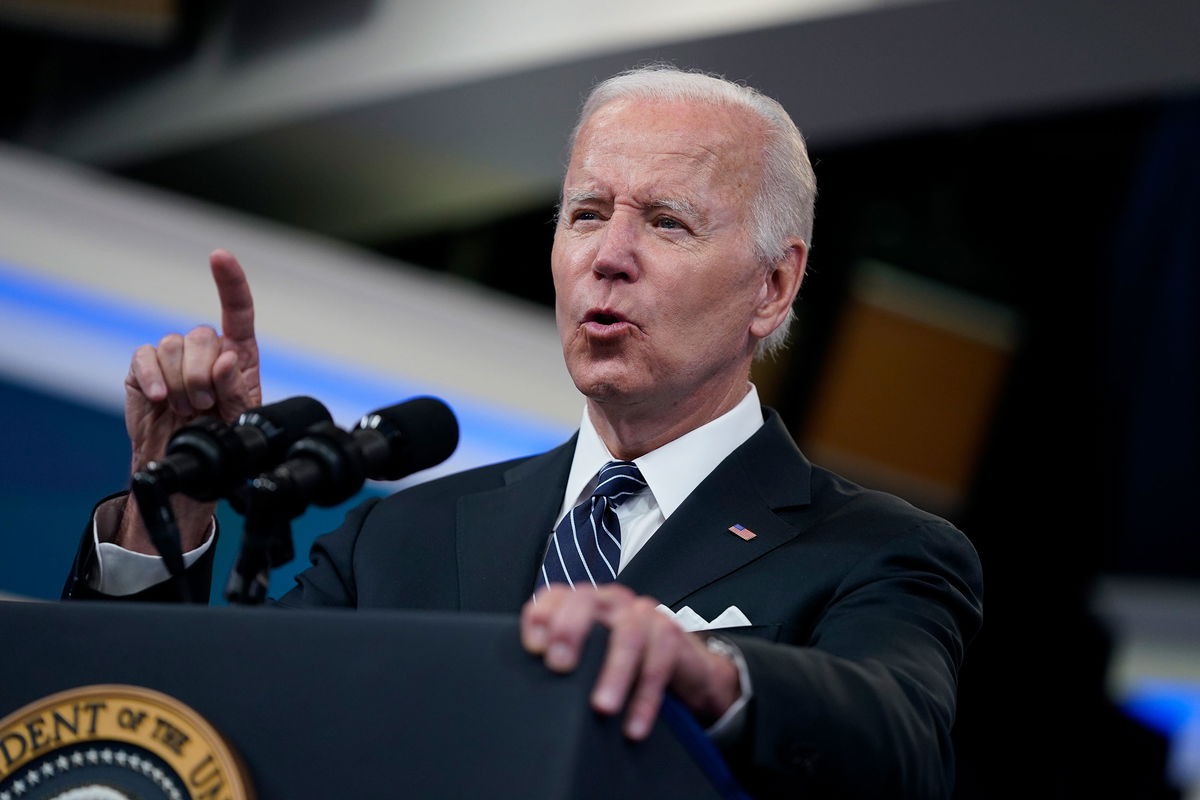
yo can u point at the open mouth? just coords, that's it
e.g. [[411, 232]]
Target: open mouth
[[603, 317]]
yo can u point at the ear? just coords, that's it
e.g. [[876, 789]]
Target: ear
[[779, 290]]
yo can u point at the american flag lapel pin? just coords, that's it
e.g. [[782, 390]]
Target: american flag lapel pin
[[742, 532]]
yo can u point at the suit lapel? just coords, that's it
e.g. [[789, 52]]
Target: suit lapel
[[508, 527], [695, 547]]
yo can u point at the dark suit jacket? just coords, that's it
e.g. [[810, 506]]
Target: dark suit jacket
[[862, 605]]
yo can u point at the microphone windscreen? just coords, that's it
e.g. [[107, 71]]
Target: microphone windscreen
[[421, 433], [286, 421]]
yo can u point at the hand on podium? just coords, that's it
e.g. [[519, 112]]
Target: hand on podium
[[648, 653]]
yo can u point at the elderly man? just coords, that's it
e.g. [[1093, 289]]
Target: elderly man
[[680, 247]]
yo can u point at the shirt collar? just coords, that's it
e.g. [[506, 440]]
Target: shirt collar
[[674, 470]]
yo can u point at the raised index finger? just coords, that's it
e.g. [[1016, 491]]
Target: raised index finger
[[237, 305]]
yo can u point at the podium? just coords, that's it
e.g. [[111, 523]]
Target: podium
[[335, 703]]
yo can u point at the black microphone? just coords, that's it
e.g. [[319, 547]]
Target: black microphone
[[325, 467], [210, 458], [328, 465]]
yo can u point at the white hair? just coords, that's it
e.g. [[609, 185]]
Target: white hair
[[783, 206]]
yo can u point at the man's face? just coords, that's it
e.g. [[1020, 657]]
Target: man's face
[[653, 261]]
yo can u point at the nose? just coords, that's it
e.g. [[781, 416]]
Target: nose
[[617, 255]]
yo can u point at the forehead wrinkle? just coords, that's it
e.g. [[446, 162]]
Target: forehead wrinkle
[[704, 155]]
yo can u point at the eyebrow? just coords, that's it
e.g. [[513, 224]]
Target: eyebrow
[[581, 196], [682, 207], [679, 206]]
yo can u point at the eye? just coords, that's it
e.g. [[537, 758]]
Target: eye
[[584, 215], [669, 223]]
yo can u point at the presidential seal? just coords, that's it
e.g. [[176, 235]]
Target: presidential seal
[[113, 742]]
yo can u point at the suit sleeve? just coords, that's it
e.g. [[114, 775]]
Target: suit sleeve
[[329, 581], [198, 576], [865, 709]]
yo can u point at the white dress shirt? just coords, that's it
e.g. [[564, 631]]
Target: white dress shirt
[[671, 472]]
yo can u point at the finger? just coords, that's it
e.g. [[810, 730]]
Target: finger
[[535, 617], [227, 380], [170, 364], [567, 628], [631, 620], [621, 660], [200, 350], [237, 304], [145, 375], [662, 654]]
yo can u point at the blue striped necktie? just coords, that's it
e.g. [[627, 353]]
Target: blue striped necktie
[[585, 548]]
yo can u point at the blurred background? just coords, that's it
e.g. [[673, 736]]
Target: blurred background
[[999, 324]]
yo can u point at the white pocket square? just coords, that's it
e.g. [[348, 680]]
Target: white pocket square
[[690, 621]]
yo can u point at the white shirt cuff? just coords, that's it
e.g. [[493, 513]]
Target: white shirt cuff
[[121, 572]]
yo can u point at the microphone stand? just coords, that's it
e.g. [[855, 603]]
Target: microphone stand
[[325, 467], [266, 542], [328, 472]]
